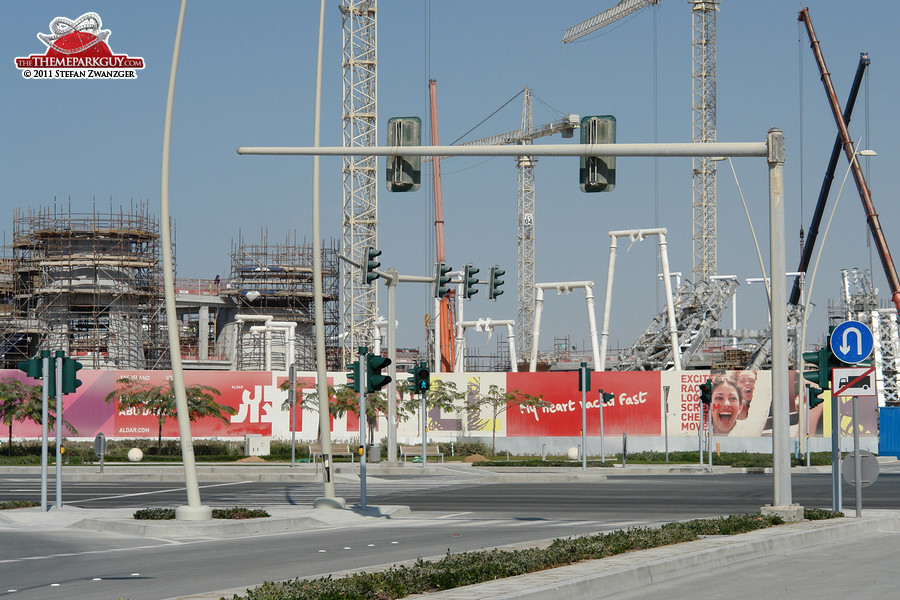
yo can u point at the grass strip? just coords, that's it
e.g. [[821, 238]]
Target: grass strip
[[468, 568]]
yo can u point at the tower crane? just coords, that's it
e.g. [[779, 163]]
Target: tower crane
[[703, 61], [359, 173], [526, 214]]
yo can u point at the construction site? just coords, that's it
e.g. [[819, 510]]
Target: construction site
[[90, 284]]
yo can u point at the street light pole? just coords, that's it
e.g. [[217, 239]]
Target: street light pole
[[194, 510], [328, 499]]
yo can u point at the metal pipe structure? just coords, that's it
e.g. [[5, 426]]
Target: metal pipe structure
[[638, 235], [772, 149], [887, 262], [564, 287], [487, 325], [671, 150], [813, 232]]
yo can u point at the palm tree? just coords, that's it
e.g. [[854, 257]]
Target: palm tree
[[19, 401], [159, 401]]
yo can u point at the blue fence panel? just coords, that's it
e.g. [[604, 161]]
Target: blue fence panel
[[889, 430]]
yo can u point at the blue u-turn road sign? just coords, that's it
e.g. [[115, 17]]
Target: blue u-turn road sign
[[852, 342]]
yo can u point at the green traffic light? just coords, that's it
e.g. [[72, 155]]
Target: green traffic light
[[374, 379], [441, 279], [469, 281], [353, 376], [371, 254], [494, 283]]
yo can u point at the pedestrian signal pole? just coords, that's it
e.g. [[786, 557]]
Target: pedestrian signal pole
[[363, 386], [59, 424], [424, 428]]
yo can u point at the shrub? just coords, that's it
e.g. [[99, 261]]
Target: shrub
[[11, 504], [163, 514], [468, 568], [465, 448]]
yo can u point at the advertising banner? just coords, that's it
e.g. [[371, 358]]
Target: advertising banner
[[741, 402], [635, 409], [243, 391]]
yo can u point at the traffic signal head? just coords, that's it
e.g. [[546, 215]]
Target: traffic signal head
[[404, 173], [706, 392], [598, 173], [33, 367], [421, 378], [469, 281], [606, 397], [70, 369], [494, 283], [370, 264], [821, 376], [441, 279], [584, 378], [815, 397], [374, 379], [353, 376]]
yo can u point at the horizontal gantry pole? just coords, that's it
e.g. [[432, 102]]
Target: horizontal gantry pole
[[680, 149]]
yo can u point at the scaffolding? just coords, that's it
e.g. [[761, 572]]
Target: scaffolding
[[85, 283], [274, 283]]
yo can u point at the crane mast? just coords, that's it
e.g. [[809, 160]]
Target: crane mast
[[360, 175], [703, 61]]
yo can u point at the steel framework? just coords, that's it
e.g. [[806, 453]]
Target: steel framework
[[703, 60], [525, 262], [360, 196]]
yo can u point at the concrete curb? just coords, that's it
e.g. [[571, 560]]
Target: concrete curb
[[630, 571], [221, 528]]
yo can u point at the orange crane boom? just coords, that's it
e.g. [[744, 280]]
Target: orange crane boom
[[446, 316]]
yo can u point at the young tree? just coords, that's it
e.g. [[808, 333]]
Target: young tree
[[442, 394], [342, 400], [499, 401], [159, 401], [19, 401]]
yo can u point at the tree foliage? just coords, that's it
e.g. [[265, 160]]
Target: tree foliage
[[499, 400], [20, 402], [159, 401]]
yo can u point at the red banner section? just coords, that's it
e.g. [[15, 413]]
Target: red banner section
[[243, 391], [635, 408]]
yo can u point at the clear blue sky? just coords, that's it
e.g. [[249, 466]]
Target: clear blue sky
[[247, 76]]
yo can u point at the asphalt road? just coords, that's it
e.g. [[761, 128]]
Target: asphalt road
[[449, 514], [629, 497]]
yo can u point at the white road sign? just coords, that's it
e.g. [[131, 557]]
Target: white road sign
[[853, 381]]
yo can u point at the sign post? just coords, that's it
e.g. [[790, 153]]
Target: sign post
[[100, 448], [855, 382]]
